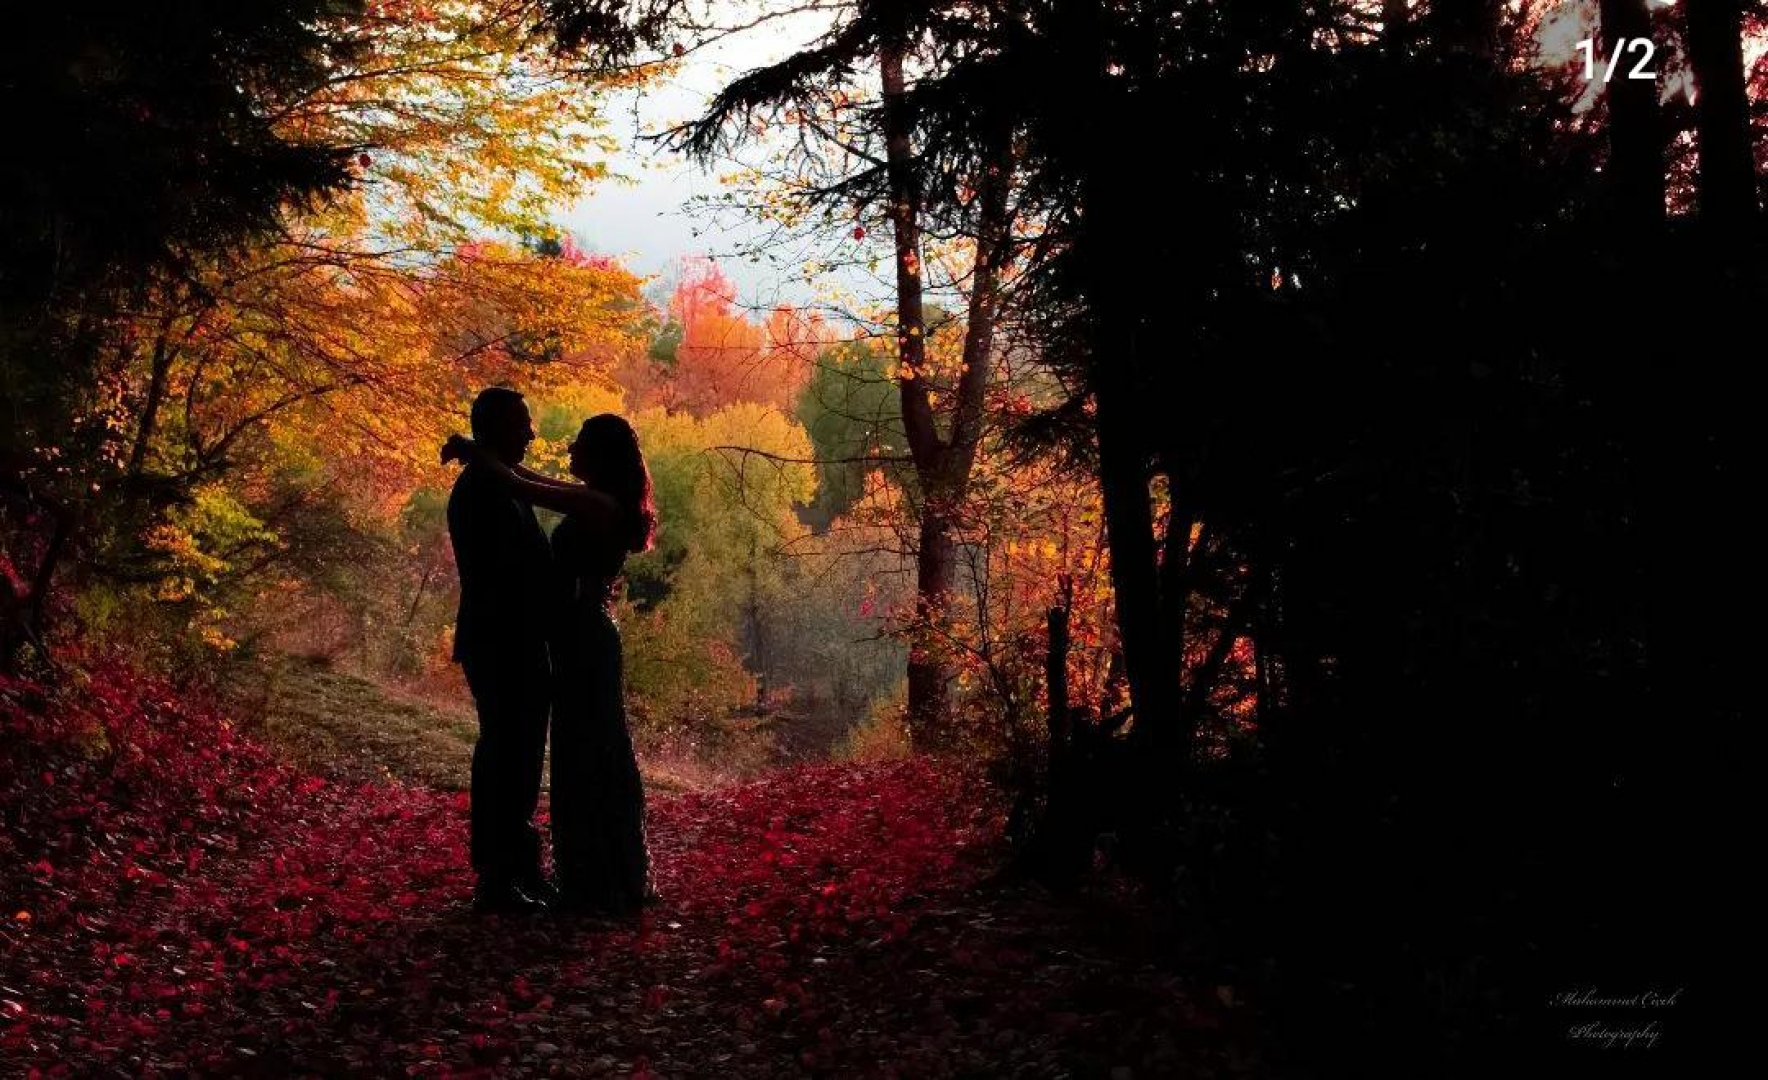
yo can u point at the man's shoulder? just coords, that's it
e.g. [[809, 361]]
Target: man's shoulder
[[466, 500], [470, 484]]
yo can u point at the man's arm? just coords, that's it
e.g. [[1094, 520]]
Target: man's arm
[[579, 499], [526, 473], [474, 508]]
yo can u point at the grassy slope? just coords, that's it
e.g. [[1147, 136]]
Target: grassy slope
[[345, 726]]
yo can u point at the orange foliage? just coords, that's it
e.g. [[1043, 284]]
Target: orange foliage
[[725, 358]]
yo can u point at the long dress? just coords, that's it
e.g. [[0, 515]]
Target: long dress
[[598, 800]]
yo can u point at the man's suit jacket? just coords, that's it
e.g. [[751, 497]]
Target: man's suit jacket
[[505, 565]]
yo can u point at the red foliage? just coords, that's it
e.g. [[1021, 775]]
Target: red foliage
[[175, 901], [724, 357]]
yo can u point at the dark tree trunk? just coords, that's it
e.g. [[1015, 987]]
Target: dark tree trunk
[[1056, 680], [37, 612], [1176, 558], [929, 701], [1151, 668], [1064, 838], [1635, 136], [156, 394], [1727, 166], [1062, 843], [14, 628], [1123, 421]]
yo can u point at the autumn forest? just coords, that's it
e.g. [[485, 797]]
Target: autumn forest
[[1218, 566]]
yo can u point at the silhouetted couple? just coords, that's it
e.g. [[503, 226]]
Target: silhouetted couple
[[535, 636]]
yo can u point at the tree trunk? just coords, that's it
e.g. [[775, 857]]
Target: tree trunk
[[757, 647], [1151, 670], [1176, 557], [942, 465], [1063, 842], [14, 629], [993, 248], [1635, 138], [928, 694], [37, 611], [1727, 165], [1056, 680], [1123, 417], [156, 393], [911, 321], [929, 703]]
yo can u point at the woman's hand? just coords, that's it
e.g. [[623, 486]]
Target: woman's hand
[[459, 448]]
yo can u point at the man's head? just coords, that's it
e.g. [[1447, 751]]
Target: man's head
[[501, 423]]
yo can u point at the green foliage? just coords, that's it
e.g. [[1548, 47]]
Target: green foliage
[[677, 679], [884, 733], [851, 409], [726, 511], [664, 345]]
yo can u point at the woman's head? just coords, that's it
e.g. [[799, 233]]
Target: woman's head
[[605, 455]]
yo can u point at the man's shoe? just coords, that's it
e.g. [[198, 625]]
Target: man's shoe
[[505, 900]]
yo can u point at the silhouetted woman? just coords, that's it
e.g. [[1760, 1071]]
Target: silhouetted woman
[[598, 800]]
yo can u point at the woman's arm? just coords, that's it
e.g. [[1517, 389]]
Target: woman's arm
[[565, 498], [530, 475]]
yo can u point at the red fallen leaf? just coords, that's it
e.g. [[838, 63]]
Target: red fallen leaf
[[859, 232], [878, 837], [364, 160], [654, 998]]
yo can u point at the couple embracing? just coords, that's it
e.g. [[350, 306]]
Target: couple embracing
[[535, 638]]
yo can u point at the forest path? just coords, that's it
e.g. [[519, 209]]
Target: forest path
[[831, 919], [345, 726]]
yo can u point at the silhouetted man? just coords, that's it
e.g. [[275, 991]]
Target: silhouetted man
[[500, 642]]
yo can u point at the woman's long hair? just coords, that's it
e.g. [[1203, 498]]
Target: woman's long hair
[[610, 443]]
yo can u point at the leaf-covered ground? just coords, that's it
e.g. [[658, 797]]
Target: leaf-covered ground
[[177, 900]]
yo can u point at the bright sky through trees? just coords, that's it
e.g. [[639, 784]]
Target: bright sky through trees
[[647, 224]]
